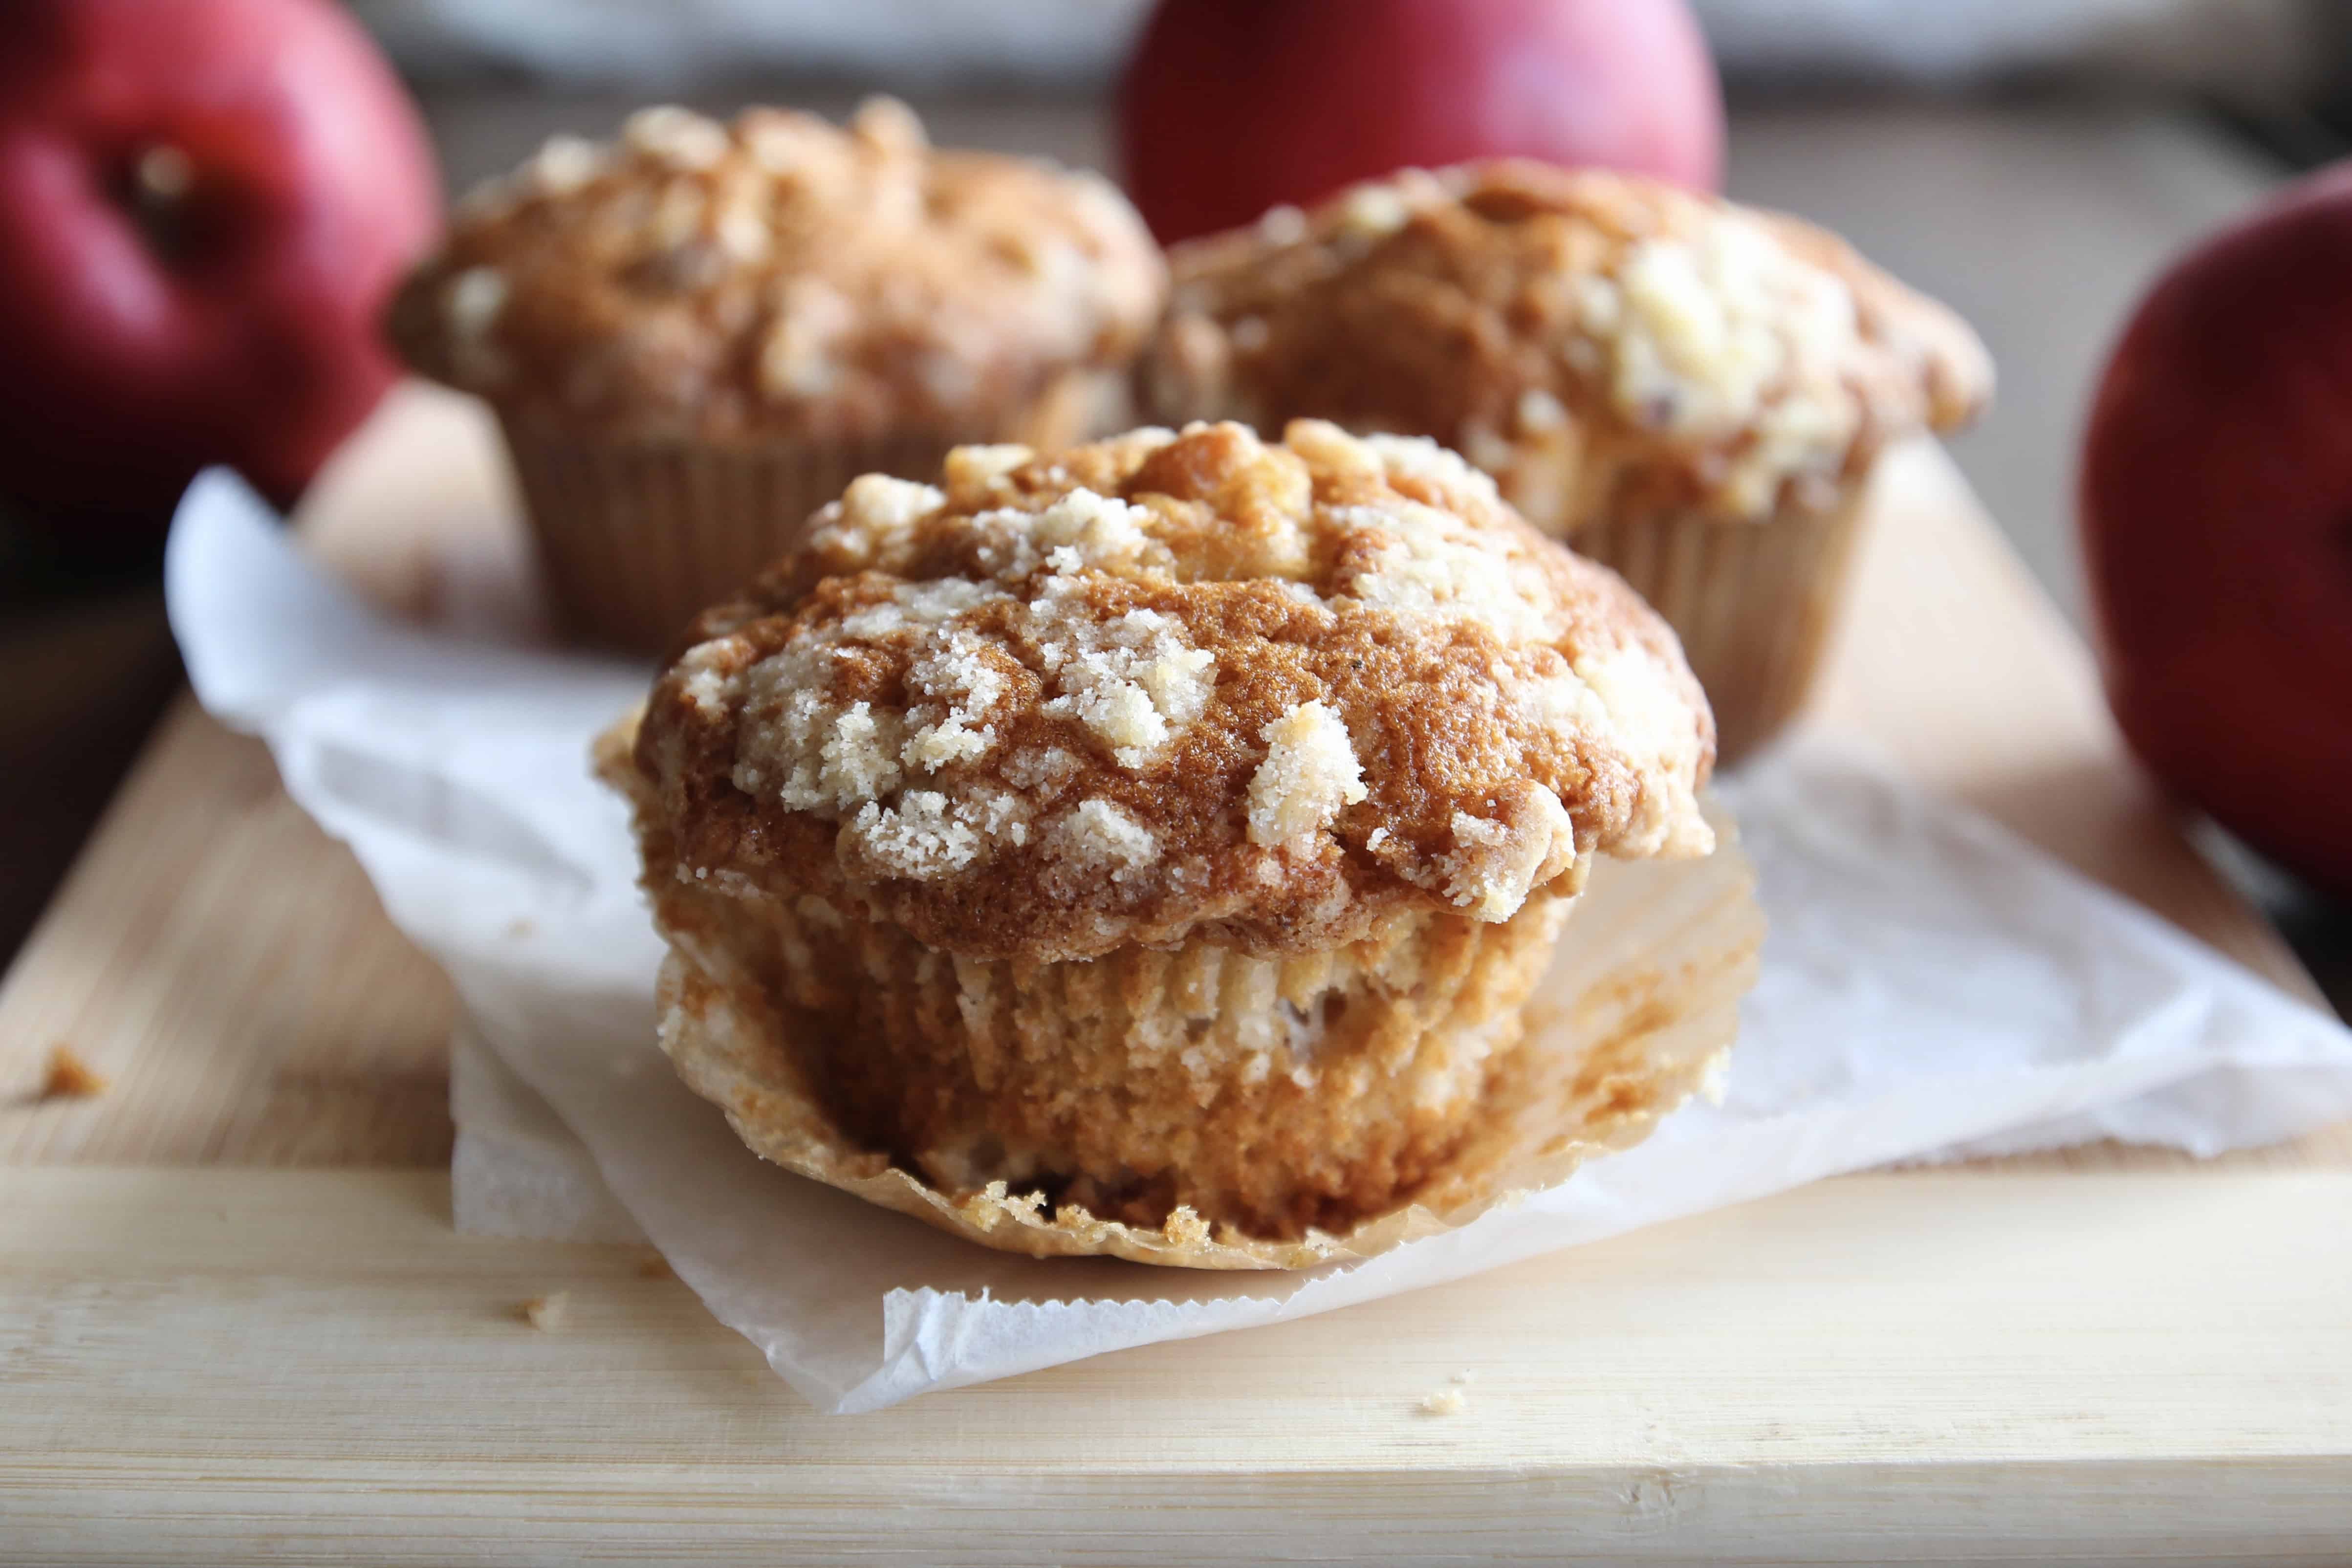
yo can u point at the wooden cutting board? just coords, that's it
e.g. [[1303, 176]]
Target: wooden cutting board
[[235, 1321]]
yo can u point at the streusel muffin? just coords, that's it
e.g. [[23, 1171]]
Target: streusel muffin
[[1692, 392], [699, 334], [1169, 829]]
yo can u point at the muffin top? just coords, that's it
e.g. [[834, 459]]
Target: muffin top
[[1673, 352], [775, 276], [1168, 687]]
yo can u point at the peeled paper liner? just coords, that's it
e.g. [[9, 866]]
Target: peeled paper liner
[[1636, 1013]]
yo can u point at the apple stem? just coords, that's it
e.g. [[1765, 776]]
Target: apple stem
[[164, 172], [162, 175]]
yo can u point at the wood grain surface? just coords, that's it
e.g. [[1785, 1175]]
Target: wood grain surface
[[232, 1366]]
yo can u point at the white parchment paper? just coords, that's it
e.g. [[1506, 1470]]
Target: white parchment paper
[[1931, 986]]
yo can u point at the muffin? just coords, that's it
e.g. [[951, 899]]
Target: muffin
[[695, 336], [1692, 392], [1165, 834]]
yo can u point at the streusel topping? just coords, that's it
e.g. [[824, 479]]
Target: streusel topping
[[1176, 686], [779, 274], [1596, 341]]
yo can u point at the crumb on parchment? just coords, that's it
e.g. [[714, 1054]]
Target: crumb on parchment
[[70, 1078], [546, 1313]]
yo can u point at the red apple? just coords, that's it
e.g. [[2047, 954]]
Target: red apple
[[203, 207], [2217, 520], [1231, 107]]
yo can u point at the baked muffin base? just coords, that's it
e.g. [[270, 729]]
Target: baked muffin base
[[1278, 1094], [1639, 1003]]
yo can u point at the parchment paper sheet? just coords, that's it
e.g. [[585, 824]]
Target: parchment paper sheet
[[1931, 987]]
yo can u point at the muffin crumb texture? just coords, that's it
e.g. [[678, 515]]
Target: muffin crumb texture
[[1444, 1402], [1175, 686], [777, 275], [547, 1313], [67, 1077], [1598, 342]]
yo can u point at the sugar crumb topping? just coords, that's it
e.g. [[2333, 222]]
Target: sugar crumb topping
[[778, 273], [1724, 337], [1174, 678], [1098, 835], [1496, 860], [1309, 773], [1592, 339]]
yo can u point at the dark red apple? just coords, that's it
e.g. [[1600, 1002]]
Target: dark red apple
[[1231, 107], [203, 206], [2217, 522]]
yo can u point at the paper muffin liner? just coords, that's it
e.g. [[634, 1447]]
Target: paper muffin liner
[[1754, 603], [1273, 1092], [636, 536], [1635, 1008]]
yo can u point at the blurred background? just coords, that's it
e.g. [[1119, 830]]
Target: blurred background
[[2034, 162]]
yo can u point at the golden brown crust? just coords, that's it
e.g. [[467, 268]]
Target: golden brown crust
[[778, 275], [1168, 687], [1604, 345]]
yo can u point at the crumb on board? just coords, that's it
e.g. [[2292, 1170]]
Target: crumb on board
[[1444, 1402], [546, 1313], [655, 1267], [70, 1077]]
